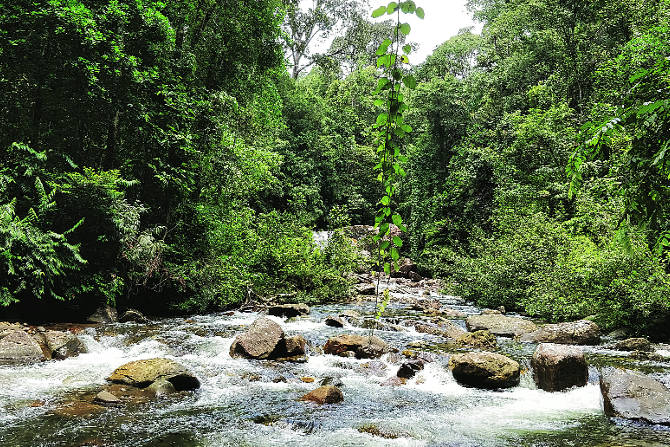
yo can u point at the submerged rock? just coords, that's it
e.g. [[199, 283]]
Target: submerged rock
[[634, 344], [106, 398], [327, 394], [62, 345], [288, 310], [501, 325], [582, 332], [360, 346], [634, 396], [142, 373], [558, 367], [17, 347], [263, 338], [484, 370]]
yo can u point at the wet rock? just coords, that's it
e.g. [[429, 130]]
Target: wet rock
[[263, 338], [104, 314], [361, 346], [142, 373], [618, 334], [406, 269], [634, 344], [335, 381], [484, 370], [424, 305], [630, 395], [293, 350], [327, 394], [410, 368], [134, 316], [452, 313], [483, 340], [334, 321], [394, 381], [500, 325], [374, 368], [443, 328], [288, 310], [366, 289], [582, 332], [106, 398], [17, 347], [307, 379], [646, 355], [161, 388], [78, 410], [558, 367], [62, 345], [375, 430]]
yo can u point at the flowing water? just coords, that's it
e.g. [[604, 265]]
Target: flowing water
[[254, 403]]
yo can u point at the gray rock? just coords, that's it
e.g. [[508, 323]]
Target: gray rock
[[558, 367], [409, 368], [484, 370], [134, 316], [288, 310], [104, 314], [106, 398], [260, 340], [161, 388], [634, 344], [62, 345], [366, 289], [630, 395], [500, 325], [582, 332], [327, 394], [445, 329], [18, 347]]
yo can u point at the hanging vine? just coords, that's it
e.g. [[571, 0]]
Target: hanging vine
[[393, 61]]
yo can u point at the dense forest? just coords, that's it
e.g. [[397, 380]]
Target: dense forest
[[176, 156]]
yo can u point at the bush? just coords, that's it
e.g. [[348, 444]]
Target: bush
[[537, 266]]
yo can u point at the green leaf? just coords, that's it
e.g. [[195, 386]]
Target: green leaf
[[379, 102], [407, 48], [409, 81], [379, 12], [392, 7], [387, 268], [420, 13], [395, 255], [382, 119], [397, 220], [406, 127], [397, 241], [386, 200], [405, 28]]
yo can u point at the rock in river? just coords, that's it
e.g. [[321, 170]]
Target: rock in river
[[288, 310], [558, 367], [327, 394], [361, 346], [143, 373], [62, 345], [582, 332], [501, 325], [634, 396], [634, 344], [19, 348], [334, 321], [263, 338], [484, 370]]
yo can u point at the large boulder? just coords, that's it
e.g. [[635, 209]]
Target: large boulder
[[18, 348], [293, 350], [327, 394], [261, 340], [500, 325], [558, 367], [634, 396], [288, 310], [62, 345], [582, 332], [143, 373], [7, 328], [634, 344], [360, 346], [484, 340], [484, 370]]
